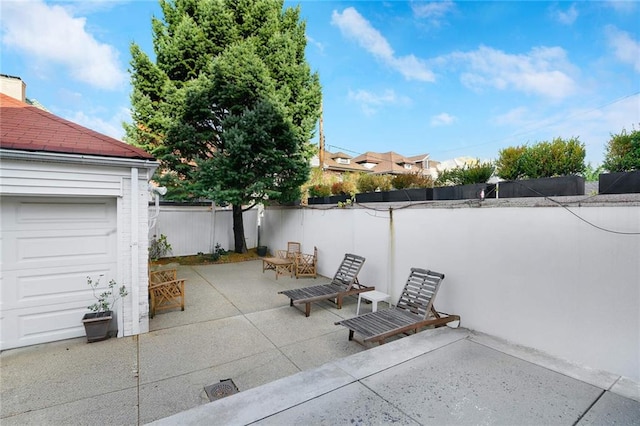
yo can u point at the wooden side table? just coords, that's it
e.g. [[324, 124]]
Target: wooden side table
[[374, 296], [280, 265]]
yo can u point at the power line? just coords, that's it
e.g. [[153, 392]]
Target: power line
[[542, 126]]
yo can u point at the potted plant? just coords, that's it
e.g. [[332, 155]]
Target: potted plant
[[159, 247], [542, 170], [467, 182], [342, 191], [319, 194], [98, 322], [371, 187], [410, 187], [622, 160]]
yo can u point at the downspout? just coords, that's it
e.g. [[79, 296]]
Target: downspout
[[135, 255], [392, 255]]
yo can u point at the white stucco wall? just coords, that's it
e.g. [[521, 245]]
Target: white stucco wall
[[536, 276]]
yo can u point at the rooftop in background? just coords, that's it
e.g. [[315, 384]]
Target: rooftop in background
[[378, 163]]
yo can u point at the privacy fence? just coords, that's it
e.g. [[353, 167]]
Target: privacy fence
[[197, 228], [563, 280]]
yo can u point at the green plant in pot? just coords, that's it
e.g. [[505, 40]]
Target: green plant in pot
[[97, 323], [159, 247]]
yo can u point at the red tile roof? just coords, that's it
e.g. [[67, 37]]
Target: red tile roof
[[27, 128]]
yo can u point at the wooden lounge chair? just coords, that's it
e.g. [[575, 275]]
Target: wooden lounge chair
[[413, 311], [166, 291], [306, 264], [344, 283]]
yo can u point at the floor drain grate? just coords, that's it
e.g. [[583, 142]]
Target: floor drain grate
[[220, 390]]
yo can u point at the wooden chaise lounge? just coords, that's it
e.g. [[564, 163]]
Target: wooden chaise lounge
[[344, 283], [413, 311]]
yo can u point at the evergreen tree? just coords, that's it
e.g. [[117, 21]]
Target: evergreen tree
[[230, 103]]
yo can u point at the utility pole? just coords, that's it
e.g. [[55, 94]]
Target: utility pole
[[321, 140]]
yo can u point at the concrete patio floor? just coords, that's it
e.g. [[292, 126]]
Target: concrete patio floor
[[291, 369]]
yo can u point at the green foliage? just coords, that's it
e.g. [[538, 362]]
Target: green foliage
[[468, 174], [544, 159], [343, 188], [623, 152], [370, 183], [106, 299], [159, 247], [592, 174], [320, 190], [218, 252], [229, 104], [508, 163], [411, 180]]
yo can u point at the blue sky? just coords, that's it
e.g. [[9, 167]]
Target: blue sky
[[446, 78]]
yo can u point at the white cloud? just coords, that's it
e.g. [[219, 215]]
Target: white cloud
[[353, 25], [432, 11], [567, 17], [626, 49], [544, 71], [110, 127], [592, 125], [514, 117], [621, 6], [442, 119], [48, 33], [372, 102], [317, 44]]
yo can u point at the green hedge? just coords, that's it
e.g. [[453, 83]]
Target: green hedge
[[544, 159], [467, 174], [623, 152]]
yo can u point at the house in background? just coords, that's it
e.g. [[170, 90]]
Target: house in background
[[338, 163], [74, 203], [389, 163], [392, 163]]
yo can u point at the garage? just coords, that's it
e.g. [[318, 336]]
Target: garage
[[49, 246], [73, 204]]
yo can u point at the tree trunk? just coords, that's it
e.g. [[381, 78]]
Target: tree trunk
[[238, 230]]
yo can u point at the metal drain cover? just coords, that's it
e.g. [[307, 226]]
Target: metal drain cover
[[220, 390]]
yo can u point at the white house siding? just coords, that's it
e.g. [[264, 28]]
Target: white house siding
[[56, 176], [534, 275]]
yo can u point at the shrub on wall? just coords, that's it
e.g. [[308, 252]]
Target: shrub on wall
[[468, 174], [411, 180], [545, 159], [320, 190], [343, 188], [508, 163], [623, 152], [371, 183]]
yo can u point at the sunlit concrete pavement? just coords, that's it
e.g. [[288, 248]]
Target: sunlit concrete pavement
[[291, 369]]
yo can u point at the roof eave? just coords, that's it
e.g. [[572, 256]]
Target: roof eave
[[55, 157]]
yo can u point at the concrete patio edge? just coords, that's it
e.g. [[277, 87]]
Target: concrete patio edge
[[296, 389]]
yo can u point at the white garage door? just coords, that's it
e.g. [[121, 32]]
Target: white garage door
[[49, 247]]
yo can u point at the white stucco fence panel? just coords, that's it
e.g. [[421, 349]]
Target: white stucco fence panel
[[536, 276]]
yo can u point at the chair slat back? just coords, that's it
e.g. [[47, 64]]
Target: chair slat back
[[420, 291], [162, 276], [293, 248], [347, 273]]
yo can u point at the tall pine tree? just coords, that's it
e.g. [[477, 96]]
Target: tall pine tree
[[229, 104]]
